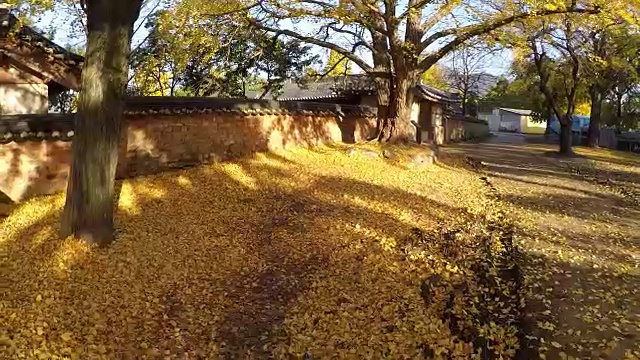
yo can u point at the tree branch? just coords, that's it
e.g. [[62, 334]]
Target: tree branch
[[467, 32], [538, 58], [311, 40]]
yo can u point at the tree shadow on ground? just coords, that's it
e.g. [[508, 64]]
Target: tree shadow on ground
[[578, 231], [587, 311], [209, 260], [217, 260], [581, 207]]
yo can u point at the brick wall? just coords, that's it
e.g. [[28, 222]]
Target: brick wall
[[153, 143]]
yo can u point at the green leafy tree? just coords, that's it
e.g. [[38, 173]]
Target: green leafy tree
[[261, 63], [214, 54], [610, 62], [403, 39]]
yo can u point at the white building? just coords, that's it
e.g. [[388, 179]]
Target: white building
[[515, 120]]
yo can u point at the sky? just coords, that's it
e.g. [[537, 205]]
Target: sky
[[63, 31]]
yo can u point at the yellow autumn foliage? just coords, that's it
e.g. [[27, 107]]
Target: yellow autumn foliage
[[280, 254], [314, 252]]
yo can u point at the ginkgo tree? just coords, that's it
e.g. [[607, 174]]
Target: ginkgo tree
[[89, 207], [610, 60], [397, 41]]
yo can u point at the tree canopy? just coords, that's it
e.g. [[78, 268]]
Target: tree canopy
[[396, 42]]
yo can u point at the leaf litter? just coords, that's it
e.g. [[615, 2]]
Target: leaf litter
[[306, 253]]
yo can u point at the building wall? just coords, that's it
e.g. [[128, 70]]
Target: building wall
[[155, 143], [23, 98], [438, 123], [510, 121], [528, 126], [460, 130]]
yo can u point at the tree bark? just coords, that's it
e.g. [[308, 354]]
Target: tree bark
[[381, 64], [593, 134], [400, 109], [382, 101], [464, 104], [565, 137], [619, 105], [89, 207]]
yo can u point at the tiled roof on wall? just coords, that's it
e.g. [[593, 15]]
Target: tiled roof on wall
[[332, 87], [35, 127]]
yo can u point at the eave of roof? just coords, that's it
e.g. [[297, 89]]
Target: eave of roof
[[435, 95], [307, 98], [523, 112], [29, 36]]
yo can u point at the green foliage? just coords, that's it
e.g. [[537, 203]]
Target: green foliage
[[262, 63], [213, 56], [64, 102]]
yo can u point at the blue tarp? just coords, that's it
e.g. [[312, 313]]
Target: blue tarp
[[579, 123]]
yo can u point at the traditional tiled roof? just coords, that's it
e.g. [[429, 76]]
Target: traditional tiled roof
[[35, 127], [15, 42], [337, 87], [436, 95], [28, 35], [333, 87]]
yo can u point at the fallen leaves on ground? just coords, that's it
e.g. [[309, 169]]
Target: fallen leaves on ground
[[306, 252], [579, 221], [311, 251]]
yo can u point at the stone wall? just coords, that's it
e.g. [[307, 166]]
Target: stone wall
[[35, 157], [458, 129], [157, 143]]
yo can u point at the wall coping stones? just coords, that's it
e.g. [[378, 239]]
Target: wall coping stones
[[38, 127]]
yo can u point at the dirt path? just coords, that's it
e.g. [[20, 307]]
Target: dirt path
[[579, 224]]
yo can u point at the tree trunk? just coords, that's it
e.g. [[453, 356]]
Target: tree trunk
[[88, 211], [619, 104], [464, 104], [400, 110], [382, 66], [565, 137], [382, 102], [593, 134]]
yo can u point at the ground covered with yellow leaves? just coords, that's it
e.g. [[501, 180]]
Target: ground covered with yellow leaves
[[578, 222], [319, 253]]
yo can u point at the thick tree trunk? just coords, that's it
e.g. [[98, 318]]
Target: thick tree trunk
[[565, 137], [593, 134], [400, 110], [382, 66], [382, 101], [88, 211]]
